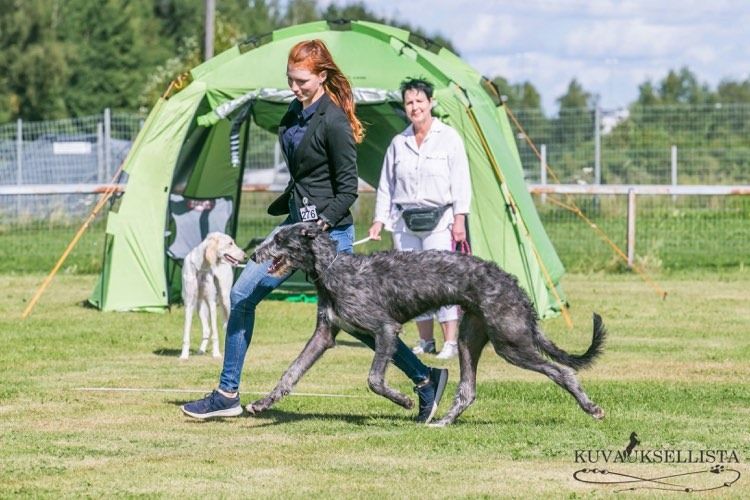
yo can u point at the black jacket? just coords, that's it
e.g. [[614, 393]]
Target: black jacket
[[323, 167]]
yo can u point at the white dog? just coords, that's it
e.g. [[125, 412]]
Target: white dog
[[207, 276]]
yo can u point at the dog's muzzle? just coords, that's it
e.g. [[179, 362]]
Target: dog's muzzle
[[232, 261]]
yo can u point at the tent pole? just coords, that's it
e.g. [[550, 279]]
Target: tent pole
[[108, 192], [550, 284]]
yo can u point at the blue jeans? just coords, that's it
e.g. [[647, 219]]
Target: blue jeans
[[253, 285]]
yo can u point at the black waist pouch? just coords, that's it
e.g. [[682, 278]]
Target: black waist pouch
[[423, 219]]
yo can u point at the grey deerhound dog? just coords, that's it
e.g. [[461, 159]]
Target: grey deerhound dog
[[377, 293]]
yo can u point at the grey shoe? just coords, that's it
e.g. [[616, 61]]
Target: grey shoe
[[430, 394], [425, 347], [213, 405]]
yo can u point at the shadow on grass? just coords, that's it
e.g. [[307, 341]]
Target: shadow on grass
[[279, 417], [175, 353], [169, 352]]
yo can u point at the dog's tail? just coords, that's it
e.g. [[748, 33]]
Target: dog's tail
[[574, 361]]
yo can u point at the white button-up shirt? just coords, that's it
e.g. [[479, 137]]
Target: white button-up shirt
[[434, 174]]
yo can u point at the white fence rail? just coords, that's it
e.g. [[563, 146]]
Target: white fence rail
[[668, 226]]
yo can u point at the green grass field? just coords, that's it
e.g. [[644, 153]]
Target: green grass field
[[675, 372]]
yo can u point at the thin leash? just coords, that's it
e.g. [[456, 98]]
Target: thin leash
[[358, 242]]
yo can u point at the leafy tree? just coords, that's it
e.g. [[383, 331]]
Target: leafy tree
[[300, 11], [115, 45], [647, 94], [256, 17], [520, 95], [574, 124], [733, 92], [682, 88], [575, 97], [33, 61], [179, 19]]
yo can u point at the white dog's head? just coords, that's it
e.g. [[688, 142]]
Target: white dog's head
[[221, 247]]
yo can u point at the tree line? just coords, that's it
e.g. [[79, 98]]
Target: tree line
[[67, 58]]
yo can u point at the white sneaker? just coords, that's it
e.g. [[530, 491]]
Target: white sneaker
[[449, 350], [424, 346]]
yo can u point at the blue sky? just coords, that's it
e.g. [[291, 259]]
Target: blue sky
[[610, 46]]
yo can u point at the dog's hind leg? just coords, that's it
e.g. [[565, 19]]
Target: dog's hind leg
[[561, 375], [472, 338], [385, 347], [322, 339]]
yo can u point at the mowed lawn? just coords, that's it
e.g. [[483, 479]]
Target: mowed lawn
[[675, 372]]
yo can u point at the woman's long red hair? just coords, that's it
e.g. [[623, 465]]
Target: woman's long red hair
[[313, 55]]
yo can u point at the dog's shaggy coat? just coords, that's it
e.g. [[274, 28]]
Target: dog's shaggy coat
[[378, 293], [207, 277]]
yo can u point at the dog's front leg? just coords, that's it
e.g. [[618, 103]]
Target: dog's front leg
[[189, 307], [204, 313], [323, 338], [385, 347]]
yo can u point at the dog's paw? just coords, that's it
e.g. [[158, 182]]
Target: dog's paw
[[184, 356], [257, 407], [438, 423], [597, 413], [216, 355]]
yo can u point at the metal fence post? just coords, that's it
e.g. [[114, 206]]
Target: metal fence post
[[19, 161], [631, 227], [674, 169], [19, 151], [543, 170], [100, 175], [107, 142], [597, 144]]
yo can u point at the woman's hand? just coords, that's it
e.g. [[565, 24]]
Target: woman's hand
[[458, 231], [374, 232]]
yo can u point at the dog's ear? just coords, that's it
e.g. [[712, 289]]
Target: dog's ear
[[212, 250]]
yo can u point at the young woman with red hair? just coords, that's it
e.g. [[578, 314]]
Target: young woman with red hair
[[318, 135]]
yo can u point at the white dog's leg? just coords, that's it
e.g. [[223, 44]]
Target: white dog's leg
[[189, 299], [210, 294], [189, 309], [224, 287], [215, 352], [203, 314]]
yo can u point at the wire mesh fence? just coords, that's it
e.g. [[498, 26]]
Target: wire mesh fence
[[671, 232], [708, 144]]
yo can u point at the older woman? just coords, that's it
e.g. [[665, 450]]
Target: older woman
[[424, 196]]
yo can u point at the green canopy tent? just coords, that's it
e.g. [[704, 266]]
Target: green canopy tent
[[190, 144]]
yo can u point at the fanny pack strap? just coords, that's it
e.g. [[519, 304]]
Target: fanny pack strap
[[444, 207]]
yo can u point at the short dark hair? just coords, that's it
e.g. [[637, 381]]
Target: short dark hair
[[418, 84]]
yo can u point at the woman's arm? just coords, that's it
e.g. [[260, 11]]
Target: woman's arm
[[342, 158], [384, 193], [460, 187]]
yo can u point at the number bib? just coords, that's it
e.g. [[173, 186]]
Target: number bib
[[308, 213]]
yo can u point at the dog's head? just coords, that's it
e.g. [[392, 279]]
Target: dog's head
[[290, 247], [221, 247]]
